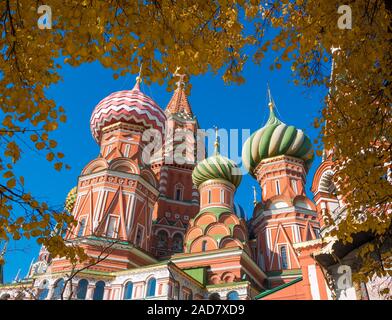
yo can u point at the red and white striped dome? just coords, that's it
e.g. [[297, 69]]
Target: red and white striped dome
[[130, 106]]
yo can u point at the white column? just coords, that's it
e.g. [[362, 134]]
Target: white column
[[314, 287], [90, 292], [50, 293], [106, 293]]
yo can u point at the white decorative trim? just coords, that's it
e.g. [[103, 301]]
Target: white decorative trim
[[314, 287]]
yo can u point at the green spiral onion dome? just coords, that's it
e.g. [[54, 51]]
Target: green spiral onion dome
[[71, 199], [276, 139], [217, 167]]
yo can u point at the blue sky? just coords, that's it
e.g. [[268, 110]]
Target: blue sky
[[212, 101]]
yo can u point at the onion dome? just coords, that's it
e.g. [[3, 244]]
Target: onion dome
[[130, 106], [216, 167], [239, 211], [71, 199], [275, 139]]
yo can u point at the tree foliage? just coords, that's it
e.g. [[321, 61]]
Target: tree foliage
[[355, 123], [200, 36]]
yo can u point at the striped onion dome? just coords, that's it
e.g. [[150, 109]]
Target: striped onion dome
[[216, 167], [239, 211], [275, 139], [130, 106], [71, 199]]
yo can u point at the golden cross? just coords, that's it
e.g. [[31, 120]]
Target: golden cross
[[139, 76], [181, 76]]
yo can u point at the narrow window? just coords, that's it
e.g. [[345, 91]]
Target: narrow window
[[209, 196], [277, 187], [283, 257], [128, 291], [151, 285], [176, 294], [82, 289], [82, 225], [58, 289], [111, 230], [108, 149], [294, 185], [222, 196], [178, 194], [126, 151], [99, 290], [177, 242], [162, 239], [204, 246], [139, 236], [43, 291]]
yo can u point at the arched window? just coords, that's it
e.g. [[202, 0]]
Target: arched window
[[162, 239], [178, 192], [99, 290], [233, 295], [43, 291], [214, 296], [5, 296], [82, 289], [177, 242], [151, 285], [128, 290], [126, 152], [277, 184], [58, 289], [283, 257], [222, 196], [82, 225], [204, 246]]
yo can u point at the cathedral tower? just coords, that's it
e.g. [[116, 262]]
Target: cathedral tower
[[278, 156], [116, 192], [178, 200]]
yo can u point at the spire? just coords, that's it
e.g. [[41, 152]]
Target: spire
[[30, 268], [138, 78], [272, 119], [179, 103], [16, 279], [254, 196], [216, 144]]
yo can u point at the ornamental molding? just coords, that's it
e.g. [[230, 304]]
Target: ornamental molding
[[119, 178], [217, 182]]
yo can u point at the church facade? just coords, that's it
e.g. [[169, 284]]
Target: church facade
[[168, 228]]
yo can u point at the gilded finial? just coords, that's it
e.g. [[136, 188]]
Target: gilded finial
[[270, 100], [180, 83], [139, 76], [216, 144]]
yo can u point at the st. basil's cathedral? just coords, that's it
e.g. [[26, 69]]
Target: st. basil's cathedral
[[170, 230]]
